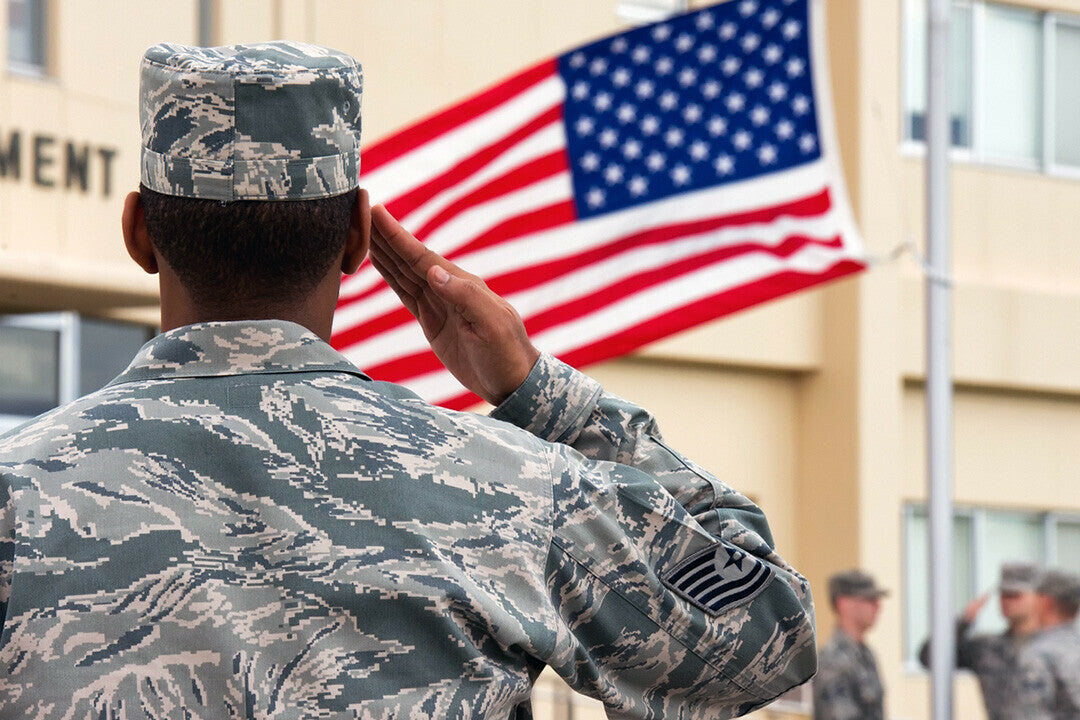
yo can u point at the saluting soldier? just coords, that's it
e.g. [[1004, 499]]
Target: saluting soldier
[[847, 685], [243, 524], [1050, 663], [994, 657]]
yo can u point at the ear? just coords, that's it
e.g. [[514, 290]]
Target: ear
[[356, 246], [136, 238]]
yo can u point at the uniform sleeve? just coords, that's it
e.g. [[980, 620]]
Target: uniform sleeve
[[671, 599], [1036, 686], [967, 647], [7, 547]]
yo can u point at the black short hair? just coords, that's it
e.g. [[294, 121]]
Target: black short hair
[[248, 254]]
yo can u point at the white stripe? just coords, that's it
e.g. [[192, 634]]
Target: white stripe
[[399, 175]]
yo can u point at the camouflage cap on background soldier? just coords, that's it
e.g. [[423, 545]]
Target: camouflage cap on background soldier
[[854, 583], [1018, 577], [268, 121]]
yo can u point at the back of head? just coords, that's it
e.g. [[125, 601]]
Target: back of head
[[1062, 589], [250, 163]]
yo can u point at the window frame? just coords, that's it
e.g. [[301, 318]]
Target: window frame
[[31, 70]]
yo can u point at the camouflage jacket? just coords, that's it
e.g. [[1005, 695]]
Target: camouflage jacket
[[847, 686], [993, 658], [243, 525], [1050, 675]]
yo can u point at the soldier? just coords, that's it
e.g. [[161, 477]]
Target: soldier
[[1050, 663], [243, 524], [993, 657], [847, 686]]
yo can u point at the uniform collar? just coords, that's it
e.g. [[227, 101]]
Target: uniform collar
[[235, 348]]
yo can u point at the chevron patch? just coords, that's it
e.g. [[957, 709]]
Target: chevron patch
[[719, 578]]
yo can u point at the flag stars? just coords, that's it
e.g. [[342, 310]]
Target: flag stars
[[735, 102], [669, 100], [595, 198], [717, 126], [777, 91], [619, 45], [772, 54], [684, 43], [641, 54], [645, 89], [656, 161], [681, 175], [661, 33], [631, 149], [707, 54], [705, 21], [650, 125], [731, 65], [767, 154], [800, 104], [598, 66], [692, 114], [699, 151], [590, 162], [795, 67], [613, 174], [759, 115], [585, 126], [785, 130], [602, 102], [638, 186], [750, 42], [687, 77], [748, 8], [769, 18], [577, 60], [807, 143], [791, 29], [580, 91], [626, 113], [742, 140], [608, 138], [725, 165], [754, 78], [664, 66], [711, 90], [621, 77], [674, 137], [728, 30]]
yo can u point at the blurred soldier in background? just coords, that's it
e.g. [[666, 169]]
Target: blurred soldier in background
[[847, 685], [994, 657], [1050, 663]]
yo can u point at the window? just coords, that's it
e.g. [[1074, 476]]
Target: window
[[983, 540], [26, 36], [49, 359], [1012, 84]]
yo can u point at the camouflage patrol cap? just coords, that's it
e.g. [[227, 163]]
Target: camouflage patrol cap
[[1063, 587], [268, 121], [1018, 577], [854, 583]]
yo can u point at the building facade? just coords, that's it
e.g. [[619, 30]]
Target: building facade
[[813, 405]]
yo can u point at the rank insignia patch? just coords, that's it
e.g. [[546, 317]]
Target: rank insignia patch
[[719, 578]]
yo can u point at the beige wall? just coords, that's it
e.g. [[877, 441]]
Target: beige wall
[[812, 404]]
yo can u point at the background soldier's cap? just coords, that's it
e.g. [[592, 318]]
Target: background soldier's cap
[[1063, 587], [1018, 577], [854, 583], [268, 121]]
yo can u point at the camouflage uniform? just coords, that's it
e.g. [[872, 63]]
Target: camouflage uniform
[[847, 686], [1050, 675], [243, 525]]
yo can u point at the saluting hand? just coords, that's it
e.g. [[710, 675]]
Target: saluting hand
[[476, 334]]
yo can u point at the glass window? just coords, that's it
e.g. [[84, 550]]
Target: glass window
[[960, 72], [29, 370], [105, 350], [1066, 150], [1067, 550], [26, 35], [1011, 106]]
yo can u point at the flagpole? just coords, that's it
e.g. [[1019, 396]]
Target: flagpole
[[938, 362]]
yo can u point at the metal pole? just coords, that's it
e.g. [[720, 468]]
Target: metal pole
[[938, 362]]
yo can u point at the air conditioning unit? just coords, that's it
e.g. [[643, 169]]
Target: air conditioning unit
[[642, 12]]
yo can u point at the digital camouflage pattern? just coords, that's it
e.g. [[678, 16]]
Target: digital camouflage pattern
[[994, 659], [243, 525], [847, 685], [270, 121], [1050, 675]]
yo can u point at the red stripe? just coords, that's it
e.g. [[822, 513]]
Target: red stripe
[[428, 129], [401, 368], [405, 204], [722, 303]]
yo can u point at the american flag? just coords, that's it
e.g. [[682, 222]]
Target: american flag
[[621, 192]]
